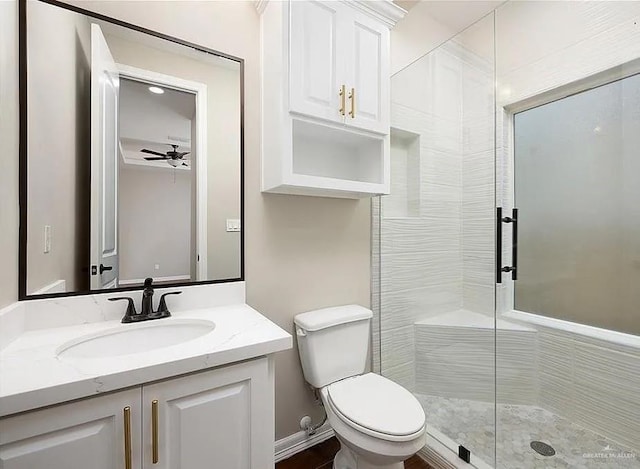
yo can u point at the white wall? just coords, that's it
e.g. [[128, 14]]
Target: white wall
[[154, 222], [415, 35], [431, 23], [155, 118], [9, 155], [223, 248], [57, 176], [543, 46]]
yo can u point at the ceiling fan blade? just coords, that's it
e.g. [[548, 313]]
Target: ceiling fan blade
[[182, 153], [154, 158], [185, 164], [144, 150]]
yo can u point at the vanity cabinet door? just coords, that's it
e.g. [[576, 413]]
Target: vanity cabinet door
[[317, 62], [368, 73], [220, 419], [84, 434]]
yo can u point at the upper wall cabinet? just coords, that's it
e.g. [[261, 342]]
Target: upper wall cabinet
[[317, 58], [338, 59], [325, 96]]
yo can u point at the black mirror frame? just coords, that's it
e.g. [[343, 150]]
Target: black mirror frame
[[22, 71]]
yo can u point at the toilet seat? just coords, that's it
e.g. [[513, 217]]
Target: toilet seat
[[377, 407]]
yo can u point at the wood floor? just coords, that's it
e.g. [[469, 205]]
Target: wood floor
[[321, 457]]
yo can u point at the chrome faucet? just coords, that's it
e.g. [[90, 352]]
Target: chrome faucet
[[147, 313]]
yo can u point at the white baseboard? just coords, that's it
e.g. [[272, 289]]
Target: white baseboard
[[293, 444], [438, 454]]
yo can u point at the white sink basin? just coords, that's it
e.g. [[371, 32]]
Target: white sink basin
[[136, 338]]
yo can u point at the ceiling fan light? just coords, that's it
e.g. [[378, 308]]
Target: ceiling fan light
[[174, 163], [156, 90]]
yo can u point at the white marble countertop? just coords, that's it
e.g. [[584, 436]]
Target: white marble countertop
[[32, 375]]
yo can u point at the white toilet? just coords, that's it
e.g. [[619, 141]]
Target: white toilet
[[378, 422]]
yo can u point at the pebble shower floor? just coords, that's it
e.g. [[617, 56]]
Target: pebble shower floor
[[471, 423]]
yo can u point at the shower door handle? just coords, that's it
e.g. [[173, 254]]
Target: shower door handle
[[513, 268], [499, 245], [514, 243]]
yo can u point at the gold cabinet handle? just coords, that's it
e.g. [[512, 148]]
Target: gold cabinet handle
[[352, 97], [343, 95], [127, 437], [154, 430]]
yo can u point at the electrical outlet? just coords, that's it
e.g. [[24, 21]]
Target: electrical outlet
[[47, 238]]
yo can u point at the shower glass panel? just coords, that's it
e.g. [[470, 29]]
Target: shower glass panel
[[434, 245], [568, 157], [542, 369]]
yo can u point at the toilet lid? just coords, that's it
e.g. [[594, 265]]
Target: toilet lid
[[377, 403]]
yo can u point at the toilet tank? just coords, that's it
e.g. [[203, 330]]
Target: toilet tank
[[333, 343]]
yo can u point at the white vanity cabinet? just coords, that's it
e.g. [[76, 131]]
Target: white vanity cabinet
[[325, 96], [84, 434], [218, 419], [222, 418]]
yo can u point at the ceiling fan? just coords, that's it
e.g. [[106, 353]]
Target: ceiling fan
[[173, 157]]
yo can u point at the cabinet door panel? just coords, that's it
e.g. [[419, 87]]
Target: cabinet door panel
[[85, 434], [316, 64], [369, 71], [219, 419]]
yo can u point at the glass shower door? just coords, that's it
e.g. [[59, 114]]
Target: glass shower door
[[568, 326]]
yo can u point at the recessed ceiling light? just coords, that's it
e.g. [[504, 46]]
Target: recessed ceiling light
[[156, 90]]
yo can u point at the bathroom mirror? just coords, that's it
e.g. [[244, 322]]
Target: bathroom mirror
[[131, 156]]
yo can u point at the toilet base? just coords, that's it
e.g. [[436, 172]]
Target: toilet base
[[347, 459]]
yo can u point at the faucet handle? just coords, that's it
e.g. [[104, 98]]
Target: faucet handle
[[162, 307], [131, 312]]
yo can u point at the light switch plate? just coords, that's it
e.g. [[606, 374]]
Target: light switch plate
[[233, 225]]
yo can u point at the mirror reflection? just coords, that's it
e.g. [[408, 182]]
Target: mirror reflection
[[133, 157]]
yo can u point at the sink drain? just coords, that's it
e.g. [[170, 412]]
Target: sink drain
[[542, 448]]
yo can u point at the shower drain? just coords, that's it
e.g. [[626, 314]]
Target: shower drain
[[542, 448]]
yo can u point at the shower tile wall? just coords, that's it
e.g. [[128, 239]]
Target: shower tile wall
[[591, 382], [421, 261], [457, 362], [478, 185], [437, 226]]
